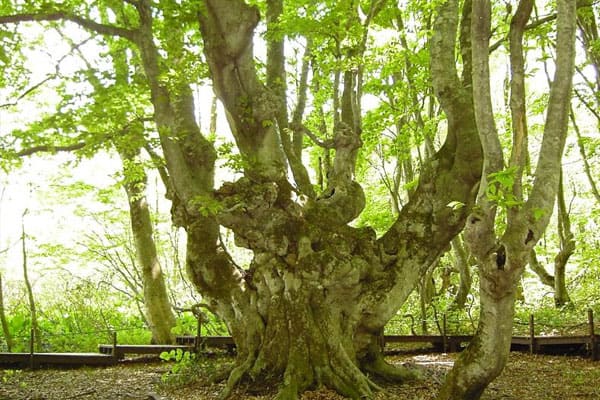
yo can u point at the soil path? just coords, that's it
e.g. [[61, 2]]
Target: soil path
[[525, 377]]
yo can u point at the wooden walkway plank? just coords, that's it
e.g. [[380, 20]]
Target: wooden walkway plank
[[23, 360], [109, 354], [119, 351]]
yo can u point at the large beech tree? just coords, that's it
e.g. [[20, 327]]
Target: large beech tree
[[318, 291], [309, 308]]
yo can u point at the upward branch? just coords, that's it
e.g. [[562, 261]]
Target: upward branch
[[276, 82], [545, 185], [519, 154], [227, 28]]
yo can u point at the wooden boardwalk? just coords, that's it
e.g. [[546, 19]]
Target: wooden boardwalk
[[37, 360], [110, 354], [119, 351]]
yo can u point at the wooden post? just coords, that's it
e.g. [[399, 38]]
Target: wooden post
[[381, 339], [114, 344], [444, 333], [593, 339], [198, 341], [531, 334], [31, 349]]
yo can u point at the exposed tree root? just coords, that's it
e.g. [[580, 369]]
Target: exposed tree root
[[236, 375], [391, 373], [221, 374]]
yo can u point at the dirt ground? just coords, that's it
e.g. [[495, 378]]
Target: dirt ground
[[526, 377]]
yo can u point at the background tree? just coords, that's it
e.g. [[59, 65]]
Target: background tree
[[3, 320], [33, 314]]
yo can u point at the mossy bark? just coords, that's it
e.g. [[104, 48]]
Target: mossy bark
[[4, 321], [311, 307], [501, 260], [159, 312]]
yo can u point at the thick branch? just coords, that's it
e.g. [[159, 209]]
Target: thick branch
[[426, 225], [444, 74], [103, 29], [227, 31], [50, 149], [484, 114], [276, 82], [517, 92], [539, 270], [545, 185]]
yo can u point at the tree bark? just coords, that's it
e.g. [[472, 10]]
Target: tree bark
[[502, 260], [464, 270], [159, 313], [37, 334], [567, 248], [4, 321]]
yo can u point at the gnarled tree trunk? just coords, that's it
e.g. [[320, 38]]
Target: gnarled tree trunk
[[318, 292]]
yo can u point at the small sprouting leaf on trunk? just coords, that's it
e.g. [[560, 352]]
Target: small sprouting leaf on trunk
[[538, 213], [206, 205], [456, 205]]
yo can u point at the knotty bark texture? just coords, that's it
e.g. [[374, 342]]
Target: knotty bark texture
[[318, 291], [311, 306]]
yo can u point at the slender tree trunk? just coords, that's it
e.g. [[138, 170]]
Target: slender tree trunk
[[426, 293], [30, 297], [156, 300], [4, 321], [213, 116], [584, 157], [588, 28], [464, 269], [567, 248], [502, 260], [470, 375]]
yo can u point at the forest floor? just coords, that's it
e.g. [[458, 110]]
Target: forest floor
[[528, 377]]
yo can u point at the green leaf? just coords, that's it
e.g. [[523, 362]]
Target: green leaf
[[538, 213], [456, 205]]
